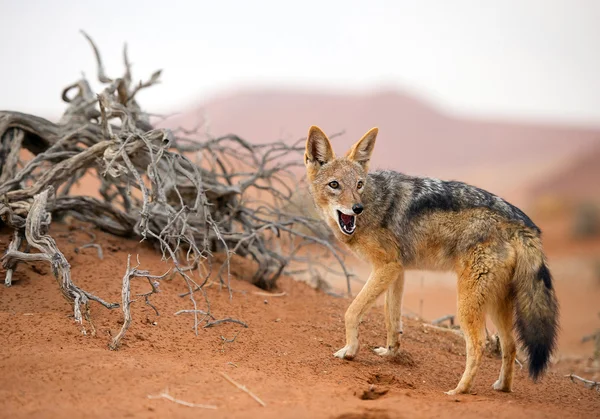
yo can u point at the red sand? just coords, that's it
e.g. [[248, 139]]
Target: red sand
[[49, 369]]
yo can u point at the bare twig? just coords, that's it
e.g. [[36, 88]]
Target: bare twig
[[36, 226], [14, 246], [456, 332], [519, 363], [589, 337], [226, 341], [592, 385], [126, 298], [165, 395], [447, 317], [268, 294], [244, 389], [125, 304], [191, 311], [94, 245], [227, 320], [596, 338]]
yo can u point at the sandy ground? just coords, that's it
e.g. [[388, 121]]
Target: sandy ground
[[49, 369]]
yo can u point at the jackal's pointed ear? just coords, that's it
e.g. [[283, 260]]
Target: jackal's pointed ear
[[318, 147], [361, 151]]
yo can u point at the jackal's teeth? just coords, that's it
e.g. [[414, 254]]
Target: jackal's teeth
[[346, 222]]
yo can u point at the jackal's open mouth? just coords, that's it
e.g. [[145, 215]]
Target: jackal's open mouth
[[346, 222]]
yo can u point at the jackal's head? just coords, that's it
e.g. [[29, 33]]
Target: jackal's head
[[337, 183]]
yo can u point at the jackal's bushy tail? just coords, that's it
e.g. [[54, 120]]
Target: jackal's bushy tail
[[535, 304]]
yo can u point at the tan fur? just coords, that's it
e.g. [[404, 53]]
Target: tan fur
[[484, 271]]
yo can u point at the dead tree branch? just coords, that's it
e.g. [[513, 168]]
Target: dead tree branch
[[244, 389], [596, 338], [126, 301], [456, 332], [592, 385], [165, 395], [190, 197], [227, 320], [13, 247], [36, 227], [447, 317], [95, 246]]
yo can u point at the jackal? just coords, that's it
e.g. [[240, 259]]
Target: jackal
[[397, 222]]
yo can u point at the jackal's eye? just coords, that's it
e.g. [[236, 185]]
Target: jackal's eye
[[360, 184], [334, 184]]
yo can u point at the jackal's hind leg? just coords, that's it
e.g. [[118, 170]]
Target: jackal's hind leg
[[502, 316], [473, 285]]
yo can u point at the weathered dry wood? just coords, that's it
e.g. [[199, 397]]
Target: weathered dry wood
[[190, 198], [243, 388], [447, 317], [10, 266], [126, 300], [596, 338], [10, 147], [592, 385], [36, 228], [165, 395]]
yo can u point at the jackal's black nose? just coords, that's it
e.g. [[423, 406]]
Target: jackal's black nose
[[357, 208]]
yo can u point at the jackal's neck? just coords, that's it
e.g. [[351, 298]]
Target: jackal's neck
[[372, 199], [385, 198]]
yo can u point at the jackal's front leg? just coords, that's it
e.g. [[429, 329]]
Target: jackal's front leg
[[380, 279], [393, 317]]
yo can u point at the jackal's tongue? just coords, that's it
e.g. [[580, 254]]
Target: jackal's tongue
[[346, 219]]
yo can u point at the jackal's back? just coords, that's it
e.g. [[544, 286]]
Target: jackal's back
[[431, 212], [408, 197]]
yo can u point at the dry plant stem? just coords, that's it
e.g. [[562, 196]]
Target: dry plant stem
[[126, 298], [444, 329], [9, 153], [268, 294], [244, 389], [519, 363], [14, 246], [191, 311], [94, 245], [208, 317], [592, 385], [238, 199], [125, 305], [596, 338], [447, 317], [36, 226], [165, 395], [227, 320]]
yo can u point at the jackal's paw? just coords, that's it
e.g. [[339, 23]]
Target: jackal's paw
[[500, 386], [456, 391], [347, 352], [383, 351]]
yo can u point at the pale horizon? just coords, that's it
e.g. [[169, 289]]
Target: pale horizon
[[531, 61]]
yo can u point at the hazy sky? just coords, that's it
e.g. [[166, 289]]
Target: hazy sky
[[523, 59]]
